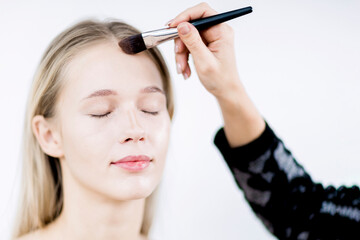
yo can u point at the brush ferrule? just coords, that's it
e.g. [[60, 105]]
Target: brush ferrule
[[153, 38]]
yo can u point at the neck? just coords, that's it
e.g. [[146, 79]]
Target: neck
[[88, 215]]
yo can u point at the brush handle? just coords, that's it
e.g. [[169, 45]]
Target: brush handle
[[155, 37], [207, 22]]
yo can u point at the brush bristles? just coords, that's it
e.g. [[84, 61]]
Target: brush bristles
[[133, 44]]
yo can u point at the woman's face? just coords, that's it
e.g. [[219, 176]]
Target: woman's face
[[112, 106]]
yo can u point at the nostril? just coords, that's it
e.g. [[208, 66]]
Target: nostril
[[130, 139]]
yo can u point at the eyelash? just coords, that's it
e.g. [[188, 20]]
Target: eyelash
[[152, 113], [101, 116], [107, 114]]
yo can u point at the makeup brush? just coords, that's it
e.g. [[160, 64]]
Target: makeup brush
[[140, 42]]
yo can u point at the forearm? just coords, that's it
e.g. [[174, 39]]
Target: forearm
[[285, 197], [242, 121]]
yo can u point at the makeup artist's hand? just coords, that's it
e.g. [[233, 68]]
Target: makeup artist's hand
[[214, 59], [212, 51]]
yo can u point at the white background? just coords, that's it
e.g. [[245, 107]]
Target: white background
[[299, 60]]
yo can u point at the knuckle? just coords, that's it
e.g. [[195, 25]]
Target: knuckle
[[227, 29], [231, 33], [194, 42], [208, 10], [177, 41], [215, 46], [230, 29], [204, 5], [193, 45], [187, 10], [228, 32]]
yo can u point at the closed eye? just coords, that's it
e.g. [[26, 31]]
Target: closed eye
[[101, 116], [152, 113], [108, 113]]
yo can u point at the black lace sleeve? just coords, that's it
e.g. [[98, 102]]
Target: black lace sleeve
[[283, 195]]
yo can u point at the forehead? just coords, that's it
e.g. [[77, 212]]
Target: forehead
[[105, 66]]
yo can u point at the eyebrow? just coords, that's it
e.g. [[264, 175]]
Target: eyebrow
[[108, 92]]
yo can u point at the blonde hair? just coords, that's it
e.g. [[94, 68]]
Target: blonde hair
[[41, 196]]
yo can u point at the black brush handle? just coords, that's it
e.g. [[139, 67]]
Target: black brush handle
[[207, 22]]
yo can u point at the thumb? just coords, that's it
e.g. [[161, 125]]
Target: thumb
[[190, 36]]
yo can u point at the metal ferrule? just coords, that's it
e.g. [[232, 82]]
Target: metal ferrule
[[155, 37]]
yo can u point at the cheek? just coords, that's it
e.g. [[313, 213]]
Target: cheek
[[158, 137], [91, 141], [90, 144], [161, 136], [158, 132], [85, 144]]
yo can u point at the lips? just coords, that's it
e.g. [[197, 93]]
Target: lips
[[133, 158], [133, 162]]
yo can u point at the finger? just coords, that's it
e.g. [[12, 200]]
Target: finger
[[199, 11], [179, 46], [181, 55], [218, 32], [187, 72], [190, 36], [181, 61]]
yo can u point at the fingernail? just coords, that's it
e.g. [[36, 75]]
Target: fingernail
[[169, 22], [176, 48], [183, 29], [185, 75], [178, 68]]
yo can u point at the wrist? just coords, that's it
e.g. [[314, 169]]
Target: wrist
[[231, 93], [232, 96], [242, 121]]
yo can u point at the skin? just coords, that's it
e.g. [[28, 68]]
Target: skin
[[214, 59], [92, 144], [102, 200]]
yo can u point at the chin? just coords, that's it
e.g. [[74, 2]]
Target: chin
[[139, 195], [135, 191]]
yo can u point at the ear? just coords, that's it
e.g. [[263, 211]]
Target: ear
[[48, 136]]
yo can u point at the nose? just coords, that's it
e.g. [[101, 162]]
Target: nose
[[134, 132]]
